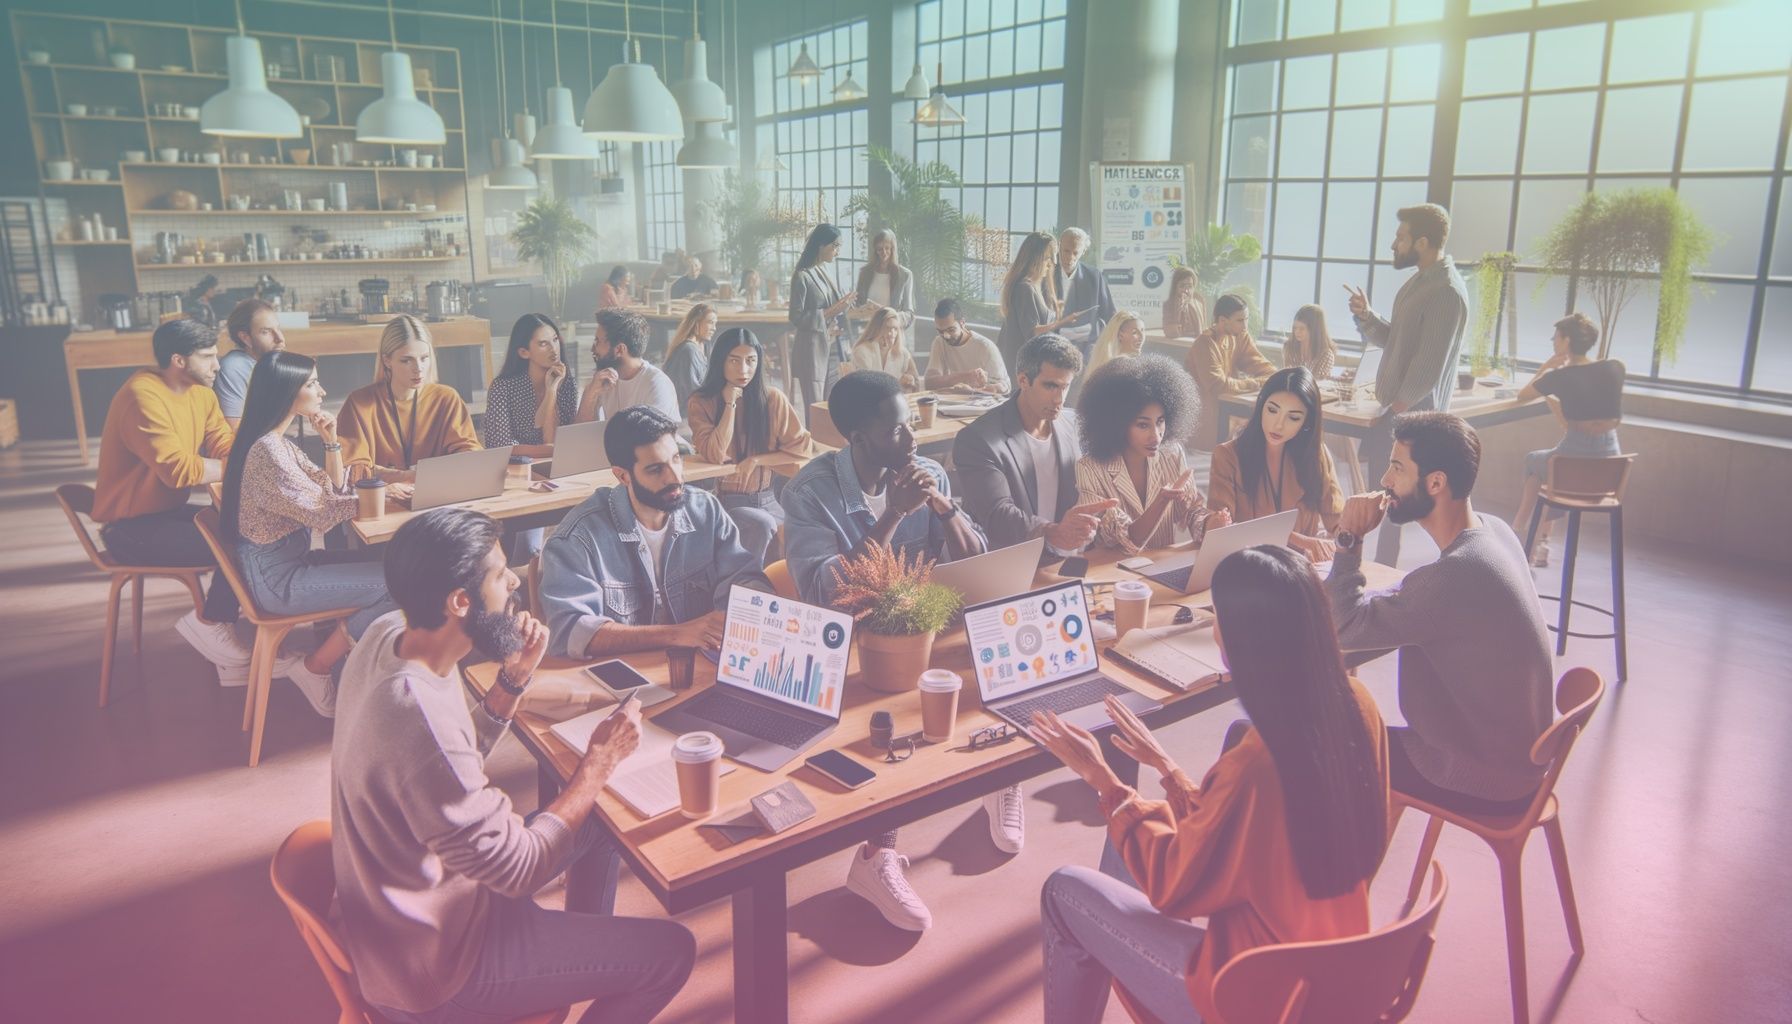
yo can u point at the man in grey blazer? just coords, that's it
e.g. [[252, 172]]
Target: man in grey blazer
[[1018, 461], [1082, 287]]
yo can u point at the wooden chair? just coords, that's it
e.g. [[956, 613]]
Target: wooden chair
[[532, 587], [1578, 485], [1577, 696], [270, 630], [782, 583], [1373, 977], [77, 503], [305, 880]]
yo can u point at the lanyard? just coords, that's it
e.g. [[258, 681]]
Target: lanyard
[[405, 441], [1275, 485]]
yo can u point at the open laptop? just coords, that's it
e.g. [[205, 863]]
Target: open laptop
[[463, 476], [1035, 652], [579, 448], [993, 574], [1192, 571], [780, 683]]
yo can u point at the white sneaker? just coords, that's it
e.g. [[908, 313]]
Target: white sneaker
[[1007, 819], [876, 875], [216, 641], [319, 688], [233, 676]]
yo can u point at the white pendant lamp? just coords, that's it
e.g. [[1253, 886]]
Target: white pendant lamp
[[938, 111], [803, 68], [398, 116], [917, 87], [699, 99], [246, 109], [631, 104], [561, 138], [508, 171], [707, 150], [849, 89]]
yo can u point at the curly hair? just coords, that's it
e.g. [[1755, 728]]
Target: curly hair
[[1115, 393]]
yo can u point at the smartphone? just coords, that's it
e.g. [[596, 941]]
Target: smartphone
[[1136, 563], [840, 768], [617, 678], [1075, 567]]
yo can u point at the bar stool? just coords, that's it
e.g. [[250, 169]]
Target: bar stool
[[1576, 485]]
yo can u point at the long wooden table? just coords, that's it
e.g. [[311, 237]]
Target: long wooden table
[[770, 323], [941, 435], [685, 866], [94, 350]]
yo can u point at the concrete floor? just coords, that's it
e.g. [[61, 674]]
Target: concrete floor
[[135, 842]]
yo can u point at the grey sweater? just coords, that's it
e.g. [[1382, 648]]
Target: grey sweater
[[423, 842], [1476, 677], [1423, 337]]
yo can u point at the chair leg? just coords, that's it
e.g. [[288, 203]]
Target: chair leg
[[1568, 555], [137, 616], [1427, 847], [263, 683], [250, 695], [111, 644], [1618, 592], [1558, 856], [1530, 533], [1512, 892], [198, 592]]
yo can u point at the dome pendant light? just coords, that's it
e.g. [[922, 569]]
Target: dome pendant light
[[803, 68], [398, 116], [708, 150], [246, 109], [631, 104], [849, 89], [917, 87], [938, 111], [509, 172], [560, 138], [699, 99]]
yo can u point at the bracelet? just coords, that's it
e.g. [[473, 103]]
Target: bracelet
[[513, 690], [333, 447]]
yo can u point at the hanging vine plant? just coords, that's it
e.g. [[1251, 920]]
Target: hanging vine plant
[[1493, 274]]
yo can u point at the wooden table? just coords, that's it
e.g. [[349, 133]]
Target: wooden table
[[94, 350], [685, 866], [941, 435]]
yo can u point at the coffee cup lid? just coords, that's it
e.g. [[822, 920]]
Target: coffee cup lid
[[370, 482], [940, 680], [926, 400], [1133, 589], [696, 747]]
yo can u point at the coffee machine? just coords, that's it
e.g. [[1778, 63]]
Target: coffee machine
[[375, 295]]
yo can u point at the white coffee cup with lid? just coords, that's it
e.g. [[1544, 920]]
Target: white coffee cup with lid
[[939, 689], [698, 758], [1132, 599]]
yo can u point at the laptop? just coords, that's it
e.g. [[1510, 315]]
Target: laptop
[[463, 476], [1192, 571], [1035, 652], [993, 574], [579, 448], [780, 682]]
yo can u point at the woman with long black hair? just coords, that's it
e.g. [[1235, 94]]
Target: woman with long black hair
[[274, 496], [817, 311], [533, 395], [1279, 462], [1277, 843], [736, 417]]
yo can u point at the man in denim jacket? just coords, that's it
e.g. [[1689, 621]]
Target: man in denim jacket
[[646, 564]]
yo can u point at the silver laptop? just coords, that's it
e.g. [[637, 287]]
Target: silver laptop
[[1192, 571], [1003, 572], [579, 448], [780, 683], [463, 476], [1036, 652]]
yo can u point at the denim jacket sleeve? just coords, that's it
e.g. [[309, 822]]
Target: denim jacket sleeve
[[733, 563], [812, 543], [572, 591]]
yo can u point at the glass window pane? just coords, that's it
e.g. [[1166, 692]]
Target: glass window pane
[[1296, 220], [1001, 14], [1249, 151], [1538, 311], [1026, 49], [1487, 141], [1409, 11], [1631, 138], [1001, 111], [1495, 64], [1001, 53], [1245, 205], [1650, 49], [1254, 88], [1746, 37], [1480, 215], [1362, 77], [1558, 130], [1731, 208], [1356, 143], [1409, 142], [1568, 57], [1051, 105], [1364, 14], [1773, 355], [976, 59], [1713, 353], [1258, 23], [1307, 82], [998, 161], [1495, 6], [1734, 125], [1349, 228], [1415, 73], [1781, 264], [1050, 150], [1303, 146], [1052, 57], [1394, 195], [1332, 279], [1290, 287], [1311, 17], [1540, 205], [1026, 109]]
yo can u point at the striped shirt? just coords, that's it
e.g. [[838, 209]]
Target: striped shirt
[[1098, 481], [1422, 338]]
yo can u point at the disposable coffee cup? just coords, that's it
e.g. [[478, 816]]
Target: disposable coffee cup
[[681, 664], [520, 470], [939, 704], [926, 406], [372, 494], [1132, 599], [698, 759]]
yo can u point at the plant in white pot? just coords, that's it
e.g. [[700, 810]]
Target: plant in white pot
[[899, 610], [122, 57]]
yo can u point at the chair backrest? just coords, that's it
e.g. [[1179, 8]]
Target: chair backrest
[[1373, 977], [534, 585], [783, 584], [305, 880], [209, 528], [1578, 693], [1588, 478], [77, 501]]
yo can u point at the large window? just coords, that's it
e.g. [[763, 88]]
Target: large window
[[1324, 144], [664, 198]]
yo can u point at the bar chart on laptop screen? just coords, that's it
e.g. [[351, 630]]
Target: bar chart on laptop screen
[[785, 649]]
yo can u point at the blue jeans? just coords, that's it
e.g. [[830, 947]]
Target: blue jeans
[[758, 516], [288, 578], [1099, 930]]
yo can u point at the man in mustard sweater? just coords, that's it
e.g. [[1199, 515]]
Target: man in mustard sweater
[[164, 436]]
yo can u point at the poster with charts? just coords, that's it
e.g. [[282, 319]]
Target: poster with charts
[[1141, 232], [785, 649]]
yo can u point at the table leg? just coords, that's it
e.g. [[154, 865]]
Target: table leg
[[547, 785], [74, 400], [761, 952]]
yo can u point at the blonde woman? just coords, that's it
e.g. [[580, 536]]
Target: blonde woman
[[1123, 336], [688, 357], [1185, 313], [881, 348], [405, 415], [1309, 343], [885, 282], [1030, 305]]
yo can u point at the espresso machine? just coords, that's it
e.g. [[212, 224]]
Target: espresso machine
[[376, 295]]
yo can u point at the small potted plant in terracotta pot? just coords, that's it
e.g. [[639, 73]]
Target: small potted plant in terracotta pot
[[899, 610]]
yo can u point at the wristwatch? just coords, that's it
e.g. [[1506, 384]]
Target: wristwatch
[[950, 513], [1346, 540], [513, 690]]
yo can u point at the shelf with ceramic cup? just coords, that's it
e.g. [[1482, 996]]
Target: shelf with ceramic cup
[[288, 213], [92, 241], [73, 183], [303, 263]]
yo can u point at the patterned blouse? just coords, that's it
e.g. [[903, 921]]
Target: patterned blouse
[[283, 491], [510, 405]]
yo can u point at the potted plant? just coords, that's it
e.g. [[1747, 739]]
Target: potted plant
[[122, 58], [550, 233], [1611, 243], [932, 232], [749, 222], [1494, 301], [1214, 254], [899, 609]]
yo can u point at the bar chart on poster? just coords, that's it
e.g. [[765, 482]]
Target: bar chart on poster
[[786, 649]]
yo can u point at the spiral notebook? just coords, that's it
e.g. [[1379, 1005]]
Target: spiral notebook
[[1183, 657], [645, 780]]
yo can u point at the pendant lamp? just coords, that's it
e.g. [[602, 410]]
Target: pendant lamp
[[707, 150], [917, 87], [398, 116], [849, 89], [631, 104], [803, 68], [508, 171], [560, 138], [938, 111], [246, 109], [699, 99]]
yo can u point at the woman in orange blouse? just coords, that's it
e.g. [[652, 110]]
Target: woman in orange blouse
[[1276, 844], [1279, 462]]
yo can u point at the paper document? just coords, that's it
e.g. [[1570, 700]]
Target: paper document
[[645, 780]]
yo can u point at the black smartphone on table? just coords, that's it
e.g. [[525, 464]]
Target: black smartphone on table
[[620, 681], [1075, 567], [840, 768]]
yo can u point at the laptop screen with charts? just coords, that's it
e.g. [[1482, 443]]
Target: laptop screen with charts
[[579, 448], [1003, 572], [463, 476], [1192, 571]]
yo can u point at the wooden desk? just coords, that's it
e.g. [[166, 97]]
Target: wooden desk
[[685, 866], [93, 350], [941, 435]]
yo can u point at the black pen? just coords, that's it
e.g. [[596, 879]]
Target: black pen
[[622, 708]]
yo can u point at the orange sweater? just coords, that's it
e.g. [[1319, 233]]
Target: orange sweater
[[723, 441], [154, 447], [373, 428], [1223, 365], [1221, 849], [1225, 490]]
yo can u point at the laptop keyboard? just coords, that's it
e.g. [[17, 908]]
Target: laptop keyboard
[[1175, 579], [1083, 694], [757, 721]]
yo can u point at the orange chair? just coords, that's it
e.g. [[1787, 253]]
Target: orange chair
[[1577, 696], [77, 502], [305, 880], [1373, 977], [270, 630], [782, 584]]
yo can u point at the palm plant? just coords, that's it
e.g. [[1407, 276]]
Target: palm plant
[[1215, 253], [930, 229], [749, 222], [550, 233]]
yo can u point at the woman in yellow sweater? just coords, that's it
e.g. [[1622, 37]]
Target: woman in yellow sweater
[[404, 416]]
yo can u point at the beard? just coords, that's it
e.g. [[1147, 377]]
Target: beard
[[1403, 260], [609, 362], [495, 634], [1410, 508], [666, 499]]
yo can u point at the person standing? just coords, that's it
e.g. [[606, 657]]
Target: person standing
[[886, 284], [1030, 304], [1421, 339], [1082, 288], [1225, 361], [621, 378], [254, 328], [816, 311]]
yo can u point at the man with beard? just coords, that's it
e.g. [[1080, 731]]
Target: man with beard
[[1475, 668], [1421, 339], [435, 871], [646, 564], [623, 379], [254, 327]]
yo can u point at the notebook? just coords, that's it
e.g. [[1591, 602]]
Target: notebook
[[645, 780], [1185, 657]]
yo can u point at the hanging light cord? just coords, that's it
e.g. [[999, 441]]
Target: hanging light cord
[[240, 30], [554, 16], [392, 24], [503, 102], [522, 37]]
